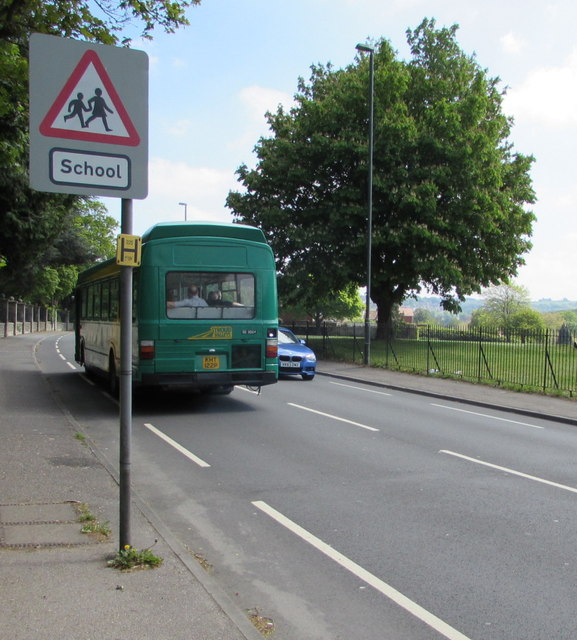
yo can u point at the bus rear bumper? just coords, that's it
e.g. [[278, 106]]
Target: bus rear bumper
[[208, 379]]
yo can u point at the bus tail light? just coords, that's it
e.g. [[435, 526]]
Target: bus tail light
[[271, 343], [147, 349]]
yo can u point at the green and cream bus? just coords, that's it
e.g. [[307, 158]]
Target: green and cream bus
[[204, 311]]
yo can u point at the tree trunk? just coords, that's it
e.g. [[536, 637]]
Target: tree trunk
[[384, 315]]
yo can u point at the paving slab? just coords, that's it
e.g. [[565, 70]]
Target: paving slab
[[42, 512], [42, 525]]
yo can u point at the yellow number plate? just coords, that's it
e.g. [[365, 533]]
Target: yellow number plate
[[211, 362]]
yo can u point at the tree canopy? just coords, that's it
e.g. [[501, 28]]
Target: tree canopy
[[449, 192], [94, 20], [46, 237], [504, 300], [345, 304]]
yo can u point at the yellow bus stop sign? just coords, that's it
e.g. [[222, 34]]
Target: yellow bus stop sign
[[128, 250]]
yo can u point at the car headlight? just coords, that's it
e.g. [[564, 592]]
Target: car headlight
[[310, 357]]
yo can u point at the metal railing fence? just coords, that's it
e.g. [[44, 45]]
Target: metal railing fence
[[17, 317], [530, 360]]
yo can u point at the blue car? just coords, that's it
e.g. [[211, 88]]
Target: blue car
[[294, 357]]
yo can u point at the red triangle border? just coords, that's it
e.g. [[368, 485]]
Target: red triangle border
[[46, 128]]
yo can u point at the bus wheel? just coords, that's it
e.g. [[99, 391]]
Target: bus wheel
[[225, 389], [88, 371], [112, 377]]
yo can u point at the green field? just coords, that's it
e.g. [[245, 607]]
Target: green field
[[528, 365]]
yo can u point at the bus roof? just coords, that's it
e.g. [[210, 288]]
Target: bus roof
[[164, 230], [213, 229]]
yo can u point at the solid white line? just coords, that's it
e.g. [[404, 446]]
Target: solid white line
[[328, 415], [178, 447], [485, 415], [256, 393], [396, 596], [350, 386], [511, 471]]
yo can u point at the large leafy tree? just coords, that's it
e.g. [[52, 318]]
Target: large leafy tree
[[50, 276], [449, 192], [507, 307], [36, 225], [345, 304], [503, 301]]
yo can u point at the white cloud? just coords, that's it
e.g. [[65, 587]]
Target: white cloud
[[548, 96], [258, 100], [512, 43], [551, 273], [179, 128], [180, 180], [203, 189]]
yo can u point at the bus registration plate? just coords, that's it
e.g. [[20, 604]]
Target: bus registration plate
[[211, 362]]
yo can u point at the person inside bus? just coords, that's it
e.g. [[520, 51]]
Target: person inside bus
[[193, 300], [215, 300]]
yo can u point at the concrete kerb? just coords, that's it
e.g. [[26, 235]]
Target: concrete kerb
[[454, 398]]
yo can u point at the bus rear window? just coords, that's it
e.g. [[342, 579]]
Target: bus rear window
[[210, 295]]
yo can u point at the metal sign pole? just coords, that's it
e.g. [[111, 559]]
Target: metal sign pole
[[125, 383], [101, 154]]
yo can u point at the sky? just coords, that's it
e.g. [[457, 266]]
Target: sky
[[211, 83]]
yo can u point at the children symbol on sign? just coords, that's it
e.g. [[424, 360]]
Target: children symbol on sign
[[99, 109], [76, 107]]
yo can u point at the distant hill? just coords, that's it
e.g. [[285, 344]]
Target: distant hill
[[432, 303], [546, 304]]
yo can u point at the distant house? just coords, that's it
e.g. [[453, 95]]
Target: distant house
[[407, 314]]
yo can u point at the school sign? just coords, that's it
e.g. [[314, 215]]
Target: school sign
[[88, 118]]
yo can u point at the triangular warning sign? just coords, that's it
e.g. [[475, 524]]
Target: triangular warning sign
[[89, 108]]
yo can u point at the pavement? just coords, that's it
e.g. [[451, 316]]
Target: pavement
[[561, 409], [55, 579]]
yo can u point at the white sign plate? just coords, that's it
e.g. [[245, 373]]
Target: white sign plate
[[88, 118], [88, 169]]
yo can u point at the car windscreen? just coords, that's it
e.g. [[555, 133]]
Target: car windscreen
[[286, 337]]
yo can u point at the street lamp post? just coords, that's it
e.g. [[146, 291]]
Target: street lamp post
[[371, 52], [185, 205]]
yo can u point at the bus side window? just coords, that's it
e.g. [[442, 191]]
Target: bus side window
[[90, 303], [105, 302], [97, 300], [114, 299]]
